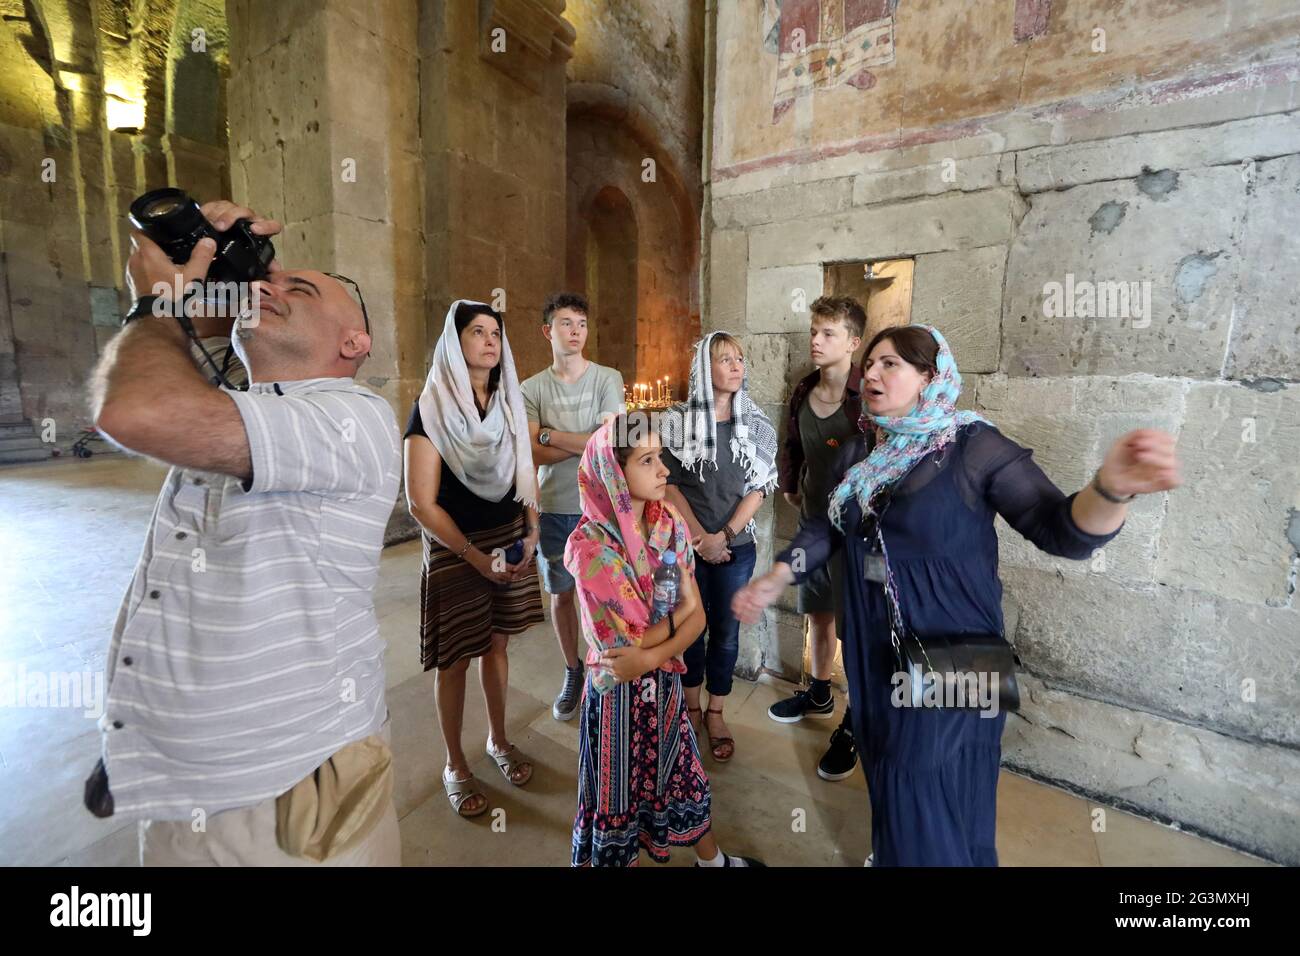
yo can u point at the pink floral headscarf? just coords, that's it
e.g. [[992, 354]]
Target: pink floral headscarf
[[612, 563]]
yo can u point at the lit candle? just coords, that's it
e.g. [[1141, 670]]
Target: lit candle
[[668, 389]]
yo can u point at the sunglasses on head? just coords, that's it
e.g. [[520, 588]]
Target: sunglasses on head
[[365, 316]]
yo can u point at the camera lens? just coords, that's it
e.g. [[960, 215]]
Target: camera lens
[[160, 207], [172, 219]]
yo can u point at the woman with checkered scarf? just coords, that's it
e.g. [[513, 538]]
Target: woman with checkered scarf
[[720, 450]]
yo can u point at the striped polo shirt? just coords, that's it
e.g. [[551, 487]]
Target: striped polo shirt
[[247, 649]]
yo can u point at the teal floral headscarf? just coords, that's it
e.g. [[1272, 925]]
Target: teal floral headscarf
[[930, 426]]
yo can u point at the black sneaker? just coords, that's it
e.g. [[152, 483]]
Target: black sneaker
[[840, 760], [801, 705], [566, 703]]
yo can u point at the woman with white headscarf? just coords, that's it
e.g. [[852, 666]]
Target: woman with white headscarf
[[471, 486]]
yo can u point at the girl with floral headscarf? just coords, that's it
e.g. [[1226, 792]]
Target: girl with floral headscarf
[[914, 511], [640, 781]]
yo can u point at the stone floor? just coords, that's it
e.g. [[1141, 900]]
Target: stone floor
[[70, 533]]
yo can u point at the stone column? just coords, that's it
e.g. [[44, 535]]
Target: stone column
[[493, 119], [324, 135]]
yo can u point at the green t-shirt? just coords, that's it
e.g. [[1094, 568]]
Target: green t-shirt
[[569, 407], [821, 439]]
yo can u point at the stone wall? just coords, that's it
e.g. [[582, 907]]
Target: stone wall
[[94, 110], [1162, 675], [494, 167], [333, 152]]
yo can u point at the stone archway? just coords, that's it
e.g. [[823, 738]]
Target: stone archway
[[611, 278], [612, 151]]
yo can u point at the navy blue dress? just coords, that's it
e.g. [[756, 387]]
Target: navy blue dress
[[933, 773]]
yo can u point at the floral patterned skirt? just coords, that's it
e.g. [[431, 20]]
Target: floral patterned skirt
[[640, 780]]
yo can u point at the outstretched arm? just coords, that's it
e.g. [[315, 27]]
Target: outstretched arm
[[1139, 463], [1070, 527]]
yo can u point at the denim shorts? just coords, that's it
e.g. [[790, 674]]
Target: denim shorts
[[555, 531]]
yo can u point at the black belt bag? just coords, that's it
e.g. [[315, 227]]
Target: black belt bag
[[958, 671]]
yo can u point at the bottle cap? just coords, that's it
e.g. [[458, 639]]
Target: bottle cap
[[670, 557]]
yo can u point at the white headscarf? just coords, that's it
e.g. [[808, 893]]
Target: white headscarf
[[488, 455]]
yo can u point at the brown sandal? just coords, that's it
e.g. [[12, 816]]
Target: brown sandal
[[726, 744]]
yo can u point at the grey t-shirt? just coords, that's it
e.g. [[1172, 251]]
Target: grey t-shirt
[[569, 407], [713, 498]]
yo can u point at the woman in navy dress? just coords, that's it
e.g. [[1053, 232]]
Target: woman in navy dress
[[931, 479]]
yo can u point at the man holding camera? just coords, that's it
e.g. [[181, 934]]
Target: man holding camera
[[245, 721]]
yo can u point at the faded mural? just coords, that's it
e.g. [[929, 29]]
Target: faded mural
[[826, 43]]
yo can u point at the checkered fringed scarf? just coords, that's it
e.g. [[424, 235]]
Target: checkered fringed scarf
[[689, 431]]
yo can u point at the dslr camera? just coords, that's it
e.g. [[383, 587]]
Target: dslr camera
[[176, 223]]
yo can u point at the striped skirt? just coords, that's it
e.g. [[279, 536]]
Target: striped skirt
[[460, 609]]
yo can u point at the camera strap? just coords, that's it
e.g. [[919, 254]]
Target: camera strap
[[187, 327]]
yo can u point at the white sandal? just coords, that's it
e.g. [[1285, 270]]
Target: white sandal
[[510, 761]]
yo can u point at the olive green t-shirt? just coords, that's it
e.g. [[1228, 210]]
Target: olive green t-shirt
[[821, 439]]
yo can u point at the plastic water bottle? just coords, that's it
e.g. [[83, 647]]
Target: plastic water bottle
[[668, 585], [515, 553]]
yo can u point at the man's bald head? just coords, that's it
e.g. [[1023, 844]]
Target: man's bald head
[[307, 323]]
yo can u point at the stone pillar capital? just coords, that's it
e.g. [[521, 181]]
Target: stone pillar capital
[[521, 37]]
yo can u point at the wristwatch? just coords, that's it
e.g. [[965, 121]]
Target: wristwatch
[[544, 437], [141, 307]]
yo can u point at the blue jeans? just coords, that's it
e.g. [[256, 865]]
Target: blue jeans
[[714, 652]]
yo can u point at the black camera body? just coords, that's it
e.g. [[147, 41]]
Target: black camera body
[[176, 223]]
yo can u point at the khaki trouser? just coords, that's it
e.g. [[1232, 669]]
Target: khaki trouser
[[246, 837]]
